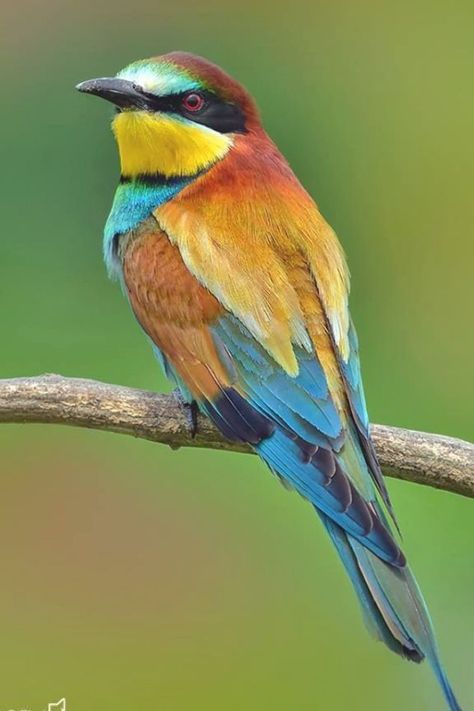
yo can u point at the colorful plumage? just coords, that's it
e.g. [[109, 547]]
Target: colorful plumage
[[242, 288]]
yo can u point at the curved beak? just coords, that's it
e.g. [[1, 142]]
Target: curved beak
[[124, 94]]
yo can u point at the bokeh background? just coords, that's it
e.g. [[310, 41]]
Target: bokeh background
[[136, 577]]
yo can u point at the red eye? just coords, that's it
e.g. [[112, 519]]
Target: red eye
[[193, 102]]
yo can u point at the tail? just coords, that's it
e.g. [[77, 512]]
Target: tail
[[392, 605]]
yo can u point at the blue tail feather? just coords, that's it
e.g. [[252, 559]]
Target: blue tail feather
[[392, 605]]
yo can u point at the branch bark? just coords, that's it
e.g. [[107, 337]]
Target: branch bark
[[434, 460]]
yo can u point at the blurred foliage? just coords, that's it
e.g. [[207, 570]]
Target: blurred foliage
[[133, 576]]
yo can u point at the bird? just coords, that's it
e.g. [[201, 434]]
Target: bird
[[242, 287]]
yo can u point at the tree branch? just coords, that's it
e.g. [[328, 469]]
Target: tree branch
[[443, 462]]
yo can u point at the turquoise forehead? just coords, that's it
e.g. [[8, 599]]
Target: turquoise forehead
[[160, 78]]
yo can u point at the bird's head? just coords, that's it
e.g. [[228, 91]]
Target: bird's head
[[177, 114]]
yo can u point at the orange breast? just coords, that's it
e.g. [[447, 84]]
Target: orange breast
[[173, 308], [160, 285]]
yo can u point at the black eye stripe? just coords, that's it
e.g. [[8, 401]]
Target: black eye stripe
[[217, 114]]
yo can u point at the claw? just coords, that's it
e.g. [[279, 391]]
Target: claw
[[191, 410], [193, 417]]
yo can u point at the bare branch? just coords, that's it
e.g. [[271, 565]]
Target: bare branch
[[434, 460]]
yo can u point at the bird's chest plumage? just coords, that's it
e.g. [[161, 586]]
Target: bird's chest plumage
[[162, 291], [133, 204]]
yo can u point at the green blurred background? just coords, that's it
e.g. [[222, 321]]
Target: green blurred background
[[136, 577]]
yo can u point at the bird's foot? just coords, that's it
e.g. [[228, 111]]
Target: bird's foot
[[191, 411]]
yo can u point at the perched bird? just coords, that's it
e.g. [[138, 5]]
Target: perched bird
[[242, 288]]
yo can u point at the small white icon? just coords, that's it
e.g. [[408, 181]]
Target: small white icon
[[58, 706]]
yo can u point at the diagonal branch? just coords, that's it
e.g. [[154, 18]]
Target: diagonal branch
[[443, 462]]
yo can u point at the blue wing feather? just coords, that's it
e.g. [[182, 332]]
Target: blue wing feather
[[352, 374], [306, 395], [355, 394], [309, 433]]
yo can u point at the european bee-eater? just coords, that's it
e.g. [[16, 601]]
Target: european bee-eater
[[242, 288]]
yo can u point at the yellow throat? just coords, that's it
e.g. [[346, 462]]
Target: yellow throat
[[158, 143]]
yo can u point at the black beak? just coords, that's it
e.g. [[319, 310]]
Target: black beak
[[124, 94]]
